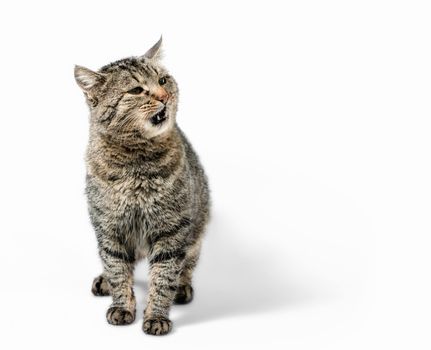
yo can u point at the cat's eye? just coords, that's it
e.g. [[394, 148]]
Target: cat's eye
[[136, 91], [162, 81]]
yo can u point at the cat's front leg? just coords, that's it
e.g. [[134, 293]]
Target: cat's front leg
[[118, 270], [165, 269]]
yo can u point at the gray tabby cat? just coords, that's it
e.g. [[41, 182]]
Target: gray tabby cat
[[147, 192]]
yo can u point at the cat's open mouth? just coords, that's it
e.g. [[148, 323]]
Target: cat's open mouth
[[159, 118]]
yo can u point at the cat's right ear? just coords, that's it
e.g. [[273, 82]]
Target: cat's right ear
[[155, 53], [87, 79]]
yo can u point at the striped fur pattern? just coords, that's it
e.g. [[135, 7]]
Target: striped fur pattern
[[147, 192]]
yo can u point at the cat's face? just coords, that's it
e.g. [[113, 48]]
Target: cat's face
[[131, 99]]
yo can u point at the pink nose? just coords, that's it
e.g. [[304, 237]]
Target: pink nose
[[161, 95]]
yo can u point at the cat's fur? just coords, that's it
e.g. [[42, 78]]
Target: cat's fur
[[147, 192]]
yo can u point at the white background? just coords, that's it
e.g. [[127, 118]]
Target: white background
[[312, 119]]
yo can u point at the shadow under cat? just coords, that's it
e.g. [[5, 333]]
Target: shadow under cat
[[232, 280]]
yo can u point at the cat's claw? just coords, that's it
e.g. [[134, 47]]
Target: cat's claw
[[117, 316], [157, 326], [100, 286]]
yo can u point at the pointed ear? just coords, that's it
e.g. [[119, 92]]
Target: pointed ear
[[87, 79], [155, 52]]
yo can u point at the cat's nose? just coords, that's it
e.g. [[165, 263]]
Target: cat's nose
[[161, 95]]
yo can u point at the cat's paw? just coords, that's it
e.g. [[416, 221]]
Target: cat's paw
[[157, 325], [118, 315], [100, 286], [184, 294]]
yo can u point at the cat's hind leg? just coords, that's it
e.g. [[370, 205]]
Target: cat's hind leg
[[184, 293]]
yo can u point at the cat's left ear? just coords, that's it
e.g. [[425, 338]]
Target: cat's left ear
[[156, 51], [87, 79]]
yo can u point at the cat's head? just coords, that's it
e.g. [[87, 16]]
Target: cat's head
[[131, 99]]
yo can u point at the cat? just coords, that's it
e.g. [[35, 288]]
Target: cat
[[147, 192]]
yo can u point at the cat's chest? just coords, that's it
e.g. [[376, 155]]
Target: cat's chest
[[138, 204], [138, 194], [144, 204]]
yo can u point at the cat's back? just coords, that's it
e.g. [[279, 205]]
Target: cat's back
[[200, 187]]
